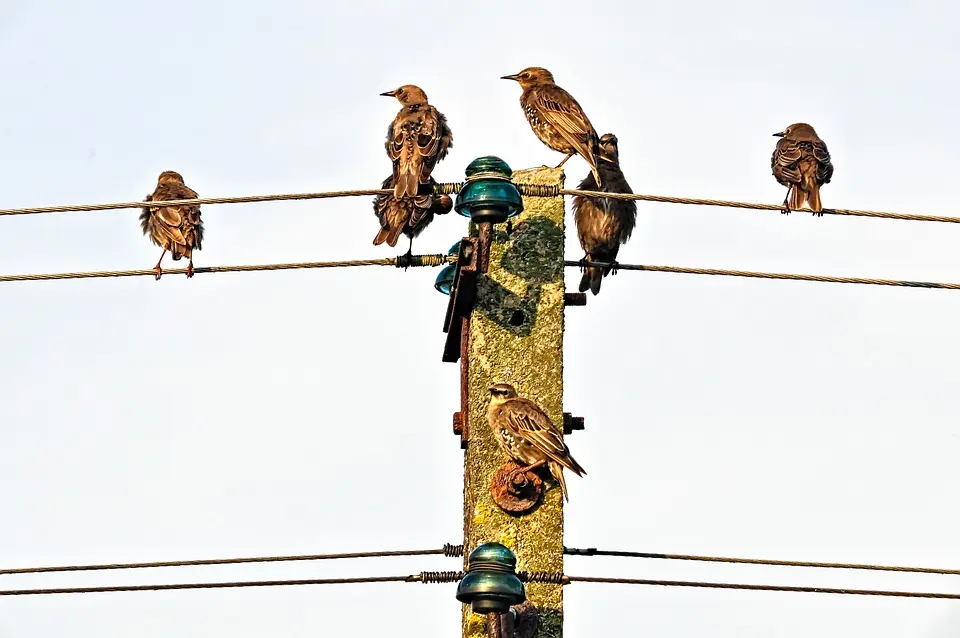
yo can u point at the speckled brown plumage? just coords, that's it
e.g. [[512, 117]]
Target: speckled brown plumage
[[556, 117], [417, 139], [802, 163], [174, 228], [603, 225], [410, 215], [527, 435]]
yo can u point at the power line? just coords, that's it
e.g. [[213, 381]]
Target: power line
[[447, 550], [785, 588], [527, 190], [592, 551], [750, 206], [400, 262], [772, 275], [450, 577]]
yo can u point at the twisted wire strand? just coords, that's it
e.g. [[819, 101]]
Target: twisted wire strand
[[784, 588], [450, 188], [400, 262], [772, 275], [593, 551], [445, 551]]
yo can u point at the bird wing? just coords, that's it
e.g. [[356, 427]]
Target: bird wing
[[173, 217], [784, 161], [535, 427], [560, 109], [824, 163], [394, 143]]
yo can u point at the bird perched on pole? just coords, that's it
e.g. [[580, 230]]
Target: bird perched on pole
[[603, 224], [556, 117], [417, 139], [527, 434], [410, 215], [801, 162], [174, 228]]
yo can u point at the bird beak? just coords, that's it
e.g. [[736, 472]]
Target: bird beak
[[389, 94], [778, 134], [509, 77]]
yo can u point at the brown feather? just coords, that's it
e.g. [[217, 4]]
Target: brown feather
[[802, 163], [178, 229]]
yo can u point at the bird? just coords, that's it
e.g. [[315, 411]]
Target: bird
[[556, 117], [417, 139], [174, 228], [603, 224], [524, 431], [409, 216], [801, 162]]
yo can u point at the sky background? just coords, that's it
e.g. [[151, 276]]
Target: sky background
[[309, 411]]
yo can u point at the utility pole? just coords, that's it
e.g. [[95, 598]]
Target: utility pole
[[505, 324]]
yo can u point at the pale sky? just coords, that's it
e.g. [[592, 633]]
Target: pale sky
[[309, 411]]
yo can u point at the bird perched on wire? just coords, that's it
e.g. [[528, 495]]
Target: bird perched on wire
[[527, 435], [410, 215], [801, 162], [174, 228], [603, 224], [556, 117], [417, 139]]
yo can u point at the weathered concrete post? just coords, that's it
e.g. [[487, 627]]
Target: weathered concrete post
[[515, 336]]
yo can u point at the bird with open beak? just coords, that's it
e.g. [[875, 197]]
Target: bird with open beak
[[417, 139], [527, 435], [802, 163], [603, 225], [409, 216], [174, 228], [556, 117]]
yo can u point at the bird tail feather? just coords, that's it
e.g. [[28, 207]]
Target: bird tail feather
[[813, 198], [393, 235], [557, 471], [381, 236], [592, 278], [798, 197]]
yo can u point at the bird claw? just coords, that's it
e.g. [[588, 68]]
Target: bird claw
[[785, 210], [583, 265], [157, 272], [614, 266], [189, 270]]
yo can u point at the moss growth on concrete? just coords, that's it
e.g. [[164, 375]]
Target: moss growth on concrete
[[525, 275]]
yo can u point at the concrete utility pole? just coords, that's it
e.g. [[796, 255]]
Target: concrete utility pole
[[514, 334]]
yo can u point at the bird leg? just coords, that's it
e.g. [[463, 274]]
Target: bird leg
[[584, 264], [190, 267], [565, 160], [524, 470], [156, 269], [786, 205], [614, 266]]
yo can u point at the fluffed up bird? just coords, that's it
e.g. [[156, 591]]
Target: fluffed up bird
[[802, 163], [556, 117], [417, 139], [174, 228], [409, 216], [527, 435], [603, 224]]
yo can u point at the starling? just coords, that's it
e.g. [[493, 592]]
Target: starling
[[409, 216], [556, 117], [174, 228], [603, 224], [802, 163], [527, 435], [417, 139]]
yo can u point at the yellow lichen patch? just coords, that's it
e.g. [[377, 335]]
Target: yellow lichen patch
[[516, 336]]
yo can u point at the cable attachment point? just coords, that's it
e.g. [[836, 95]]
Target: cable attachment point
[[452, 551], [543, 577], [436, 577], [539, 190]]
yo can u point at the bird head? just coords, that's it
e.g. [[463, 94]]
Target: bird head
[[799, 132], [408, 94], [608, 148], [167, 177], [500, 392], [531, 76]]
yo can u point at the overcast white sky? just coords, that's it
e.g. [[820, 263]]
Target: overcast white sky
[[302, 412]]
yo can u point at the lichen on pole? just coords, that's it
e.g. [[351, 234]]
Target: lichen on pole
[[516, 337]]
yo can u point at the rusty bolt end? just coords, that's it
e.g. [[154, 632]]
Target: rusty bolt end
[[574, 299], [516, 492], [458, 423], [571, 423], [526, 620]]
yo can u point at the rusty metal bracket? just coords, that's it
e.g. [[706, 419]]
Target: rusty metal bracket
[[516, 492], [574, 299], [462, 297], [571, 423]]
